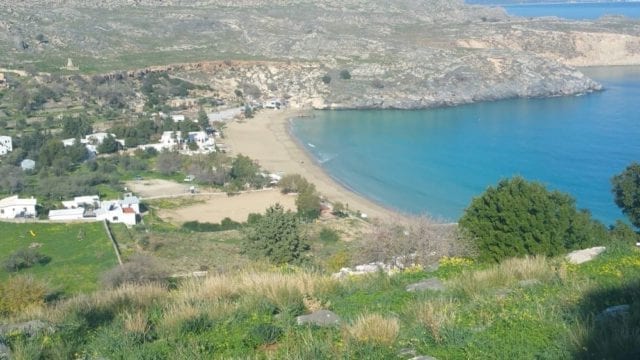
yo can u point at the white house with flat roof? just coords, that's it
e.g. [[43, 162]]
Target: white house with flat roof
[[14, 207], [90, 208], [6, 145]]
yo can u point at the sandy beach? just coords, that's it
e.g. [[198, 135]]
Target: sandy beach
[[266, 139]]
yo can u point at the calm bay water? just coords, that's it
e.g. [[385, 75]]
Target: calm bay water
[[436, 161], [574, 10]]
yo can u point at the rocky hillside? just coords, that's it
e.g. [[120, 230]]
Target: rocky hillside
[[399, 54]]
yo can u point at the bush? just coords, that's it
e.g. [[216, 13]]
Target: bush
[[345, 74], [24, 258], [21, 292], [420, 241], [276, 236], [326, 79], [328, 235], [308, 203], [626, 191], [517, 218], [293, 183], [139, 270], [624, 233], [225, 224]]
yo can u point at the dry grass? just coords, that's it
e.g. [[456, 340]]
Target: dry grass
[[374, 329], [22, 293], [434, 315], [507, 274], [270, 285], [136, 323]]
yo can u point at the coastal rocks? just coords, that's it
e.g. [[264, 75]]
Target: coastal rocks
[[432, 284], [582, 256], [319, 318]]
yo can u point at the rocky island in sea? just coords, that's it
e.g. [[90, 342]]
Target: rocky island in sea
[[401, 54]]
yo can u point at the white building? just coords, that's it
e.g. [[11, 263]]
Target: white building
[[6, 145], [92, 141], [90, 208], [14, 207], [178, 118], [92, 201], [68, 214]]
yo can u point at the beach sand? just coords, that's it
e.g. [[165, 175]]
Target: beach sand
[[266, 139]]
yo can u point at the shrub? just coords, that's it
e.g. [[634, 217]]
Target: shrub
[[339, 209], [374, 329], [326, 79], [328, 235], [626, 192], [21, 292], [225, 224], [139, 270], [24, 258], [197, 324], [293, 183], [308, 203], [377, 84], [624, 233], [345, 74], [276, 236], [517, 218], [420, 241]]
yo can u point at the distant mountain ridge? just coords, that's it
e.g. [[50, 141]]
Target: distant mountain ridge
[[400, 53]]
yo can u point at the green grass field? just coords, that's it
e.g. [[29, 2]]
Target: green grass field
[[79, 253]]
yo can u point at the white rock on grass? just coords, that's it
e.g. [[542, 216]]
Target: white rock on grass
[[319, 318], [583, 256]]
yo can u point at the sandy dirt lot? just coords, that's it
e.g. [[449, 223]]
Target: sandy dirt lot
[[209, 205], [237, 208]]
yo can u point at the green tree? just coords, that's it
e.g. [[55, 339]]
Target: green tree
[[276, 236], [517, 218], [203, 119], [168, 162], [308, 203], [626, 192], [244, 170], [76, 127], [109, 145], [345, 74]]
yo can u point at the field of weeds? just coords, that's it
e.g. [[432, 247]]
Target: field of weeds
[[522, 308]]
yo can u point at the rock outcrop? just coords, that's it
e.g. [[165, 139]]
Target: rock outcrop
[[401, 54]]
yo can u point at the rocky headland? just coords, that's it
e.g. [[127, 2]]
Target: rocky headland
[[402, 54]]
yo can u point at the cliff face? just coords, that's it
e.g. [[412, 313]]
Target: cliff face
[[400, 53]]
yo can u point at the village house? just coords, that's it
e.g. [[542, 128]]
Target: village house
[[92, 141], [14, 207], [6, 145], [90, 208], [178, 118]]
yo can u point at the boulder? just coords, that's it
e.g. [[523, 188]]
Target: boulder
[[29, 328], [319, 318], [582, 256], [613, 312], [433, 284], [423, 357], [5, 352]]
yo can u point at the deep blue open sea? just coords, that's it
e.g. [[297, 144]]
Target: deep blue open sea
[[574, 11], [436, 161]]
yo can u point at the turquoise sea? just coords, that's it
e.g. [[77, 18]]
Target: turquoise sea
[[436, 161], [576, 11]]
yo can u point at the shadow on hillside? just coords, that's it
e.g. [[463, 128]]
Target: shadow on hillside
[[609, 323]]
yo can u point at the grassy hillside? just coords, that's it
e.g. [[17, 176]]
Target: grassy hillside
[[520, 309], [79, 253]]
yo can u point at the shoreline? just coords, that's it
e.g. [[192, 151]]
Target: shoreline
[[267, 138]]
